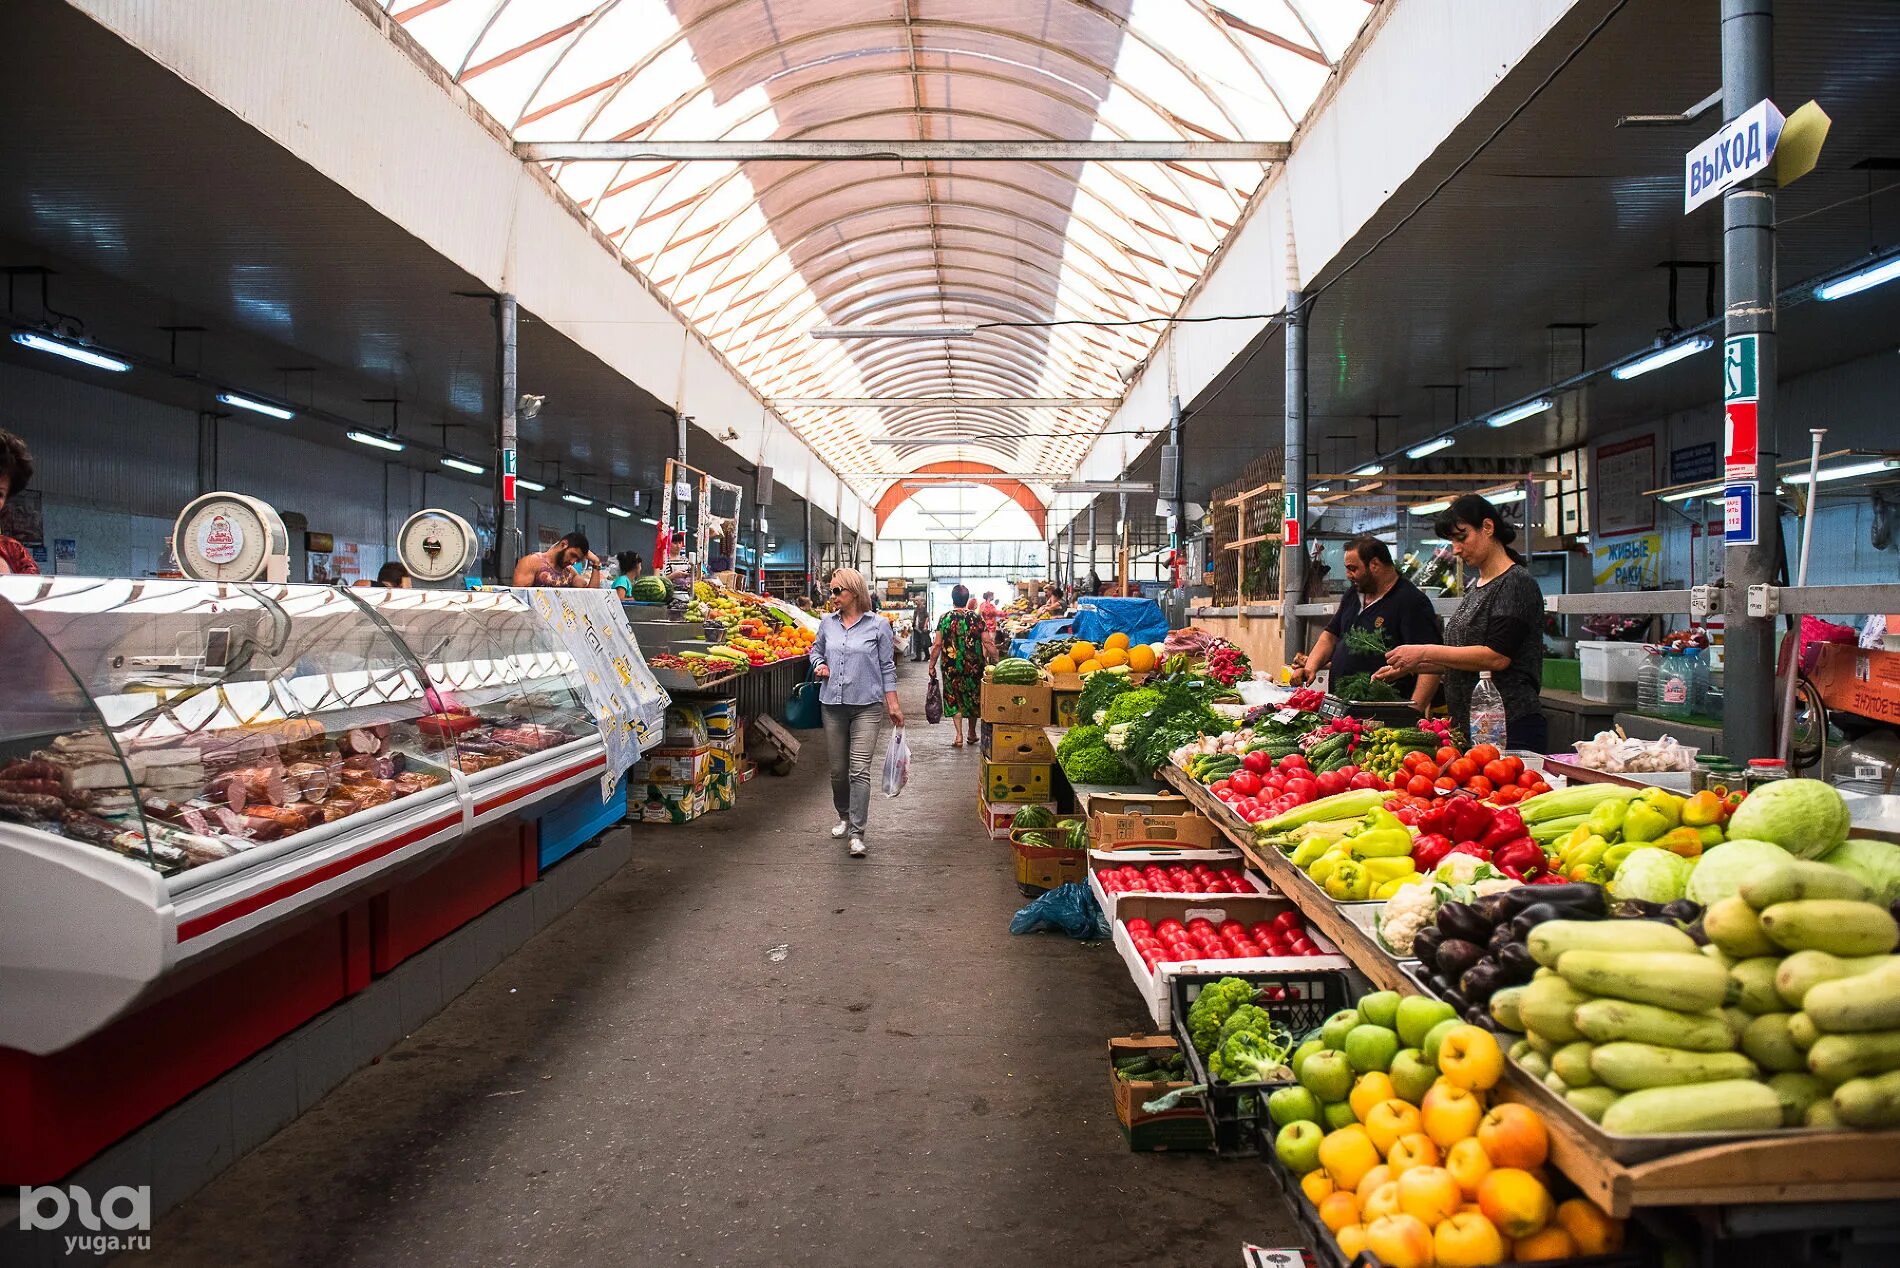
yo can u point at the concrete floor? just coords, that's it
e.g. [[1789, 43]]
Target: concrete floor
[[746, 1048]]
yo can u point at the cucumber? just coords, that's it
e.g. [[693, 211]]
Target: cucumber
[[1767, 1043], [1686, 980], [1792, 880], [1546, 1007], [1608, 1020], [1554, 937], [1870, 1001], [1797, 1091], [1837, 926], [1801, 1031], [1838, 1058], [1591, 1101], [1628, 1067], [1873, 1102], [1571, 1063], [1755, 985], [1726, 1105], [1504, 1008], [1733, 926], [1801, 972]]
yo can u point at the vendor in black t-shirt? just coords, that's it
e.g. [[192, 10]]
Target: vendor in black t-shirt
[[1385, 603]]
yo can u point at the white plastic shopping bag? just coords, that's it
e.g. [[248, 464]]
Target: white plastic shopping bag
[[896, 764]]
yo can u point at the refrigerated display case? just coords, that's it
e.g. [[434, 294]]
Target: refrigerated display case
[[186, 764]]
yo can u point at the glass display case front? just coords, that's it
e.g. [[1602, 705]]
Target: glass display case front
[[187, 723]]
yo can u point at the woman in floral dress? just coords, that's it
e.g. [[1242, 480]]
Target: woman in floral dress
[[963, 646]]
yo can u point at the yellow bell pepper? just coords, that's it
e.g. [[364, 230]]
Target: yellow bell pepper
[[1383, 843], [1702, 810], [1348, 882], [1382, 870]]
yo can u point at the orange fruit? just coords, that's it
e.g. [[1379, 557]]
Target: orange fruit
[[1141, 658], [1061, 665], [1545, 1244], [1079, 652], [1117, 641], [1594, 1232]]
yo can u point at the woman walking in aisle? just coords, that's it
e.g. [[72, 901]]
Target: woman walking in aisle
[[963, 647], [856, 662]]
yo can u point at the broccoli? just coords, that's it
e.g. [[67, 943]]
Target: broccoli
[[1248, 1017], [1131, 705], [1093, 764], [1249, 1057], [1212, 1007]]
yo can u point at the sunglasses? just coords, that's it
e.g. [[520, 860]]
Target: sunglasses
[[837, 589]]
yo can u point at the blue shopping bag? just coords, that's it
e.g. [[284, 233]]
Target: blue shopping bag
[[801, 710]]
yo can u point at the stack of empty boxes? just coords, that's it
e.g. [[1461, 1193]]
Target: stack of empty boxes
[[1018, 766], [696, 768]]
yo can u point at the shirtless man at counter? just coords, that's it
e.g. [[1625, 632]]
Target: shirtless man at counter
[[556, 565]]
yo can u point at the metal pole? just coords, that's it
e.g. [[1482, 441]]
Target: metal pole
[[1293, 501], [1093, 557], [1785, 750], [508, 392], [1748, 269], [811, 568]]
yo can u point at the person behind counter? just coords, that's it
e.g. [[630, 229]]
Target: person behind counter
[[559, 565], [1384, 603], [16, 468], [1499, 626], [856, 666], [392, 576], [631, 566]]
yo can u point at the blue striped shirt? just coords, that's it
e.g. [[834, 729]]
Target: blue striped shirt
[[862, 659]]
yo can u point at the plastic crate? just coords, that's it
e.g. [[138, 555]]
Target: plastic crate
[[1608, 670], [1237, 1112]]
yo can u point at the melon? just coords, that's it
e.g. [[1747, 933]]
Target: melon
[[1090, 667], [1079, 652], [1112, 656], [1117, 640], [1061, 665], [1141, 658]]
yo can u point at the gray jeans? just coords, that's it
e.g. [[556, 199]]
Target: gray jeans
[[852, 732]]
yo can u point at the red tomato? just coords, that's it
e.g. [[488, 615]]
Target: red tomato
[[1412, 759], [1406, 816], [1349, 770], [1244, 782], [1498, 773], [1445, 783], [1479, 784], [1539, 788], [1303, 788], [1138, 925], [1419, 786], [1429, 770], [1258, 763], [1483, 754], [1293, 761], [1529, 778], [1446, 753], [1275, 781], [1365, 779], [1509, 795], [1329, 782], [1461, 769]]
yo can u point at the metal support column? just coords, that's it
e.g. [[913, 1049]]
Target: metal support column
[[1072, 577], [1293, 500], [1094, 559], [1749, 276], [508, 394], [811, 564]]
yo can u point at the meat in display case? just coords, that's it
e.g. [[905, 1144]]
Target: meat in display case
[[183, 763]]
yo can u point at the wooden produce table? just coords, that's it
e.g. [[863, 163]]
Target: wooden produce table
[[1829, 1168]]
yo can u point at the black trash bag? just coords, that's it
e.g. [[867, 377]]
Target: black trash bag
[[1069, 909]]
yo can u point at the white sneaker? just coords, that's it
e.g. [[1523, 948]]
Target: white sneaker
[[857, 847], [837, 833]]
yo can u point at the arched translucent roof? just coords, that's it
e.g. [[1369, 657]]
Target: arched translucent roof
[[757, 254]]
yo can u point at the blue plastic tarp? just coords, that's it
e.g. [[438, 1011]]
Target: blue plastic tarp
[[1037, 633], [1141, 619]]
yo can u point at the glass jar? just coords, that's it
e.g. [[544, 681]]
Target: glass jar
[[1764, 770], [1706, 766]]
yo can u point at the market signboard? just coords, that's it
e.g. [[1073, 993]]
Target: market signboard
[[1625, 471], [1635, 563], [1743, 148], [1741, 401]]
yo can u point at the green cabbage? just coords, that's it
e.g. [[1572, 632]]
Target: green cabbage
[[1805, 817], [1719, 872], [1651, 874], [1875, 863]]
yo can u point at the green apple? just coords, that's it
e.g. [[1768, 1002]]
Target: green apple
[[1412, 1075], [1328, 1075], [1381, 1008], [1434, 1037], [1334, 1031], [1370, 1047], [1291, 1104], [1417, 1015], [1339, 1114], [1297, 1146], [1305, 1050]]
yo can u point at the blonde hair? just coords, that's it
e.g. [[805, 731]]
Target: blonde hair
[[853, 580]]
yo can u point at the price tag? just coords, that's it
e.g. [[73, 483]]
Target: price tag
[[1867, 774], [1286, 715]]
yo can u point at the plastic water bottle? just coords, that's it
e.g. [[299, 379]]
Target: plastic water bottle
[[1487, 712]]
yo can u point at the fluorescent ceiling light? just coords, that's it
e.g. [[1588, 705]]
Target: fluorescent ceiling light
[[954, 484], [619, 513], [648, 519], [1430, 447], [577, 499], [1854, 283], [1370, 469], [1669, 354], [1106, 486], [379, 442], [935, 440], [1431, 508], [256, 406], [1518, 413], [893, 332], [71, 351], [1686, 494], [523, 482], [1847, 472], [463, 464], [1505, 498], [1321, 488]]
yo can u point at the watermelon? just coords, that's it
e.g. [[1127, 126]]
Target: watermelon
[[651, 590], [1037, 817], [1014, 671]]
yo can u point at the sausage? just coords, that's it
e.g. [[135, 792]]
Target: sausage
[[34, 803], [32, 787], [263, 829], [362, 740], [30, 768]]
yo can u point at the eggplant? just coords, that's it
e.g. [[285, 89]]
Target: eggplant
[[1531, 917], [1516, 964], [1481, 981], [1697, 934], [1638, 909], [1683, 911], [1478, 1015], [1502, 937], [1455, 955], [1425, 943], [1574, 898], [1493, 908], [1461, 920], [1456, 998]]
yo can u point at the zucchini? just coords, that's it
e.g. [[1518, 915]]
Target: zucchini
[[1571, 1063], [1835, 925], [1555, 1082], [1554, 937], [1733, 926], [1873, 1102], [1608, 1020], [1767, 1043], [1546, 1008], [1794, 879], [1821, 1114], [1591, 1101], [1535, 1063], [1726, 1105], [1801, 1031], [1686, 980], [1797, 1091], [1838, 1058], [1801, 972], [1504, 1008], [1755, 985], [1870, 1001], [1628, 1067]]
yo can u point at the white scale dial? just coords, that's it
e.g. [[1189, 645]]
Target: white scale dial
[[435, 545], [230, 537]]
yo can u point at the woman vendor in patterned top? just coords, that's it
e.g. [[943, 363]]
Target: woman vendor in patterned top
[[16, 468]]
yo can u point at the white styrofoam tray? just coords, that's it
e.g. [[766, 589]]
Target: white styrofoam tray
[[1153, 987]]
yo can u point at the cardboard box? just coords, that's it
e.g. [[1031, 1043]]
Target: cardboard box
[[1062, 707], [1017, 744], [720, 760], [685, 727], [1015, 706], [720, 717], [1111, 830], [1045, 867], [722, 790], [673, 766], [997, 816], [672, 803], [1153, 987], [1138, 803], [1863, 681], [1180, 1129], [1018, 781], [1219, 860]]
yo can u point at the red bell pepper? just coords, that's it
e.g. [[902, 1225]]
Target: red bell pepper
[[1551, 878], [1472, 848], [1506, 825], [1520, 859], [1429, 849], [1467, 820], [1433, 821]]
